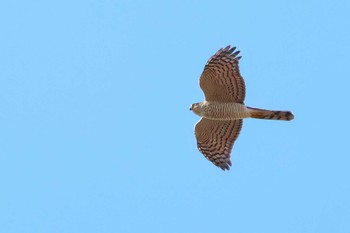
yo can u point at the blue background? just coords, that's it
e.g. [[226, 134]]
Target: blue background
[[96, 135]]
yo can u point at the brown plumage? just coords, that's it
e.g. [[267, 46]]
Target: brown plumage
[[223, 108], [270, 114], [215, 139]]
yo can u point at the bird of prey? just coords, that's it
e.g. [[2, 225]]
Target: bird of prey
[[223, 108]]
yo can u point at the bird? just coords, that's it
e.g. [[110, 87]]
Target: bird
[[223, 109]]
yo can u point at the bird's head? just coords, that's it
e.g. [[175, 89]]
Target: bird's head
[[195, 108]]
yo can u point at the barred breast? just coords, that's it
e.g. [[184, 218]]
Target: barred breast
[[224, 111]]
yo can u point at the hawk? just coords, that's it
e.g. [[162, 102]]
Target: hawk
[[223, 108]]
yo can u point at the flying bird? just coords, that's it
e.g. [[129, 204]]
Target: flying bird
[[223, 107]]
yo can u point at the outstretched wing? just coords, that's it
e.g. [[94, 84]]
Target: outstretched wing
[[221, 80], [215, 139]]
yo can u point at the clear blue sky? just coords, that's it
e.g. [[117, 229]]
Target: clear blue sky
[[96, 135]]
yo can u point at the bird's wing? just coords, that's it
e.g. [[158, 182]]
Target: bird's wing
[[215, 139], [221, 80]]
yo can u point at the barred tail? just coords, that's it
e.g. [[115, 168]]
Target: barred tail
[[270, 115]]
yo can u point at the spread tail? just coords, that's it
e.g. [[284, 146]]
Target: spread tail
[[270, 115]]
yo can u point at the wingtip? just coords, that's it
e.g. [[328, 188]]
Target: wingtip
[[226, 48], [231, 51], [225, 166]]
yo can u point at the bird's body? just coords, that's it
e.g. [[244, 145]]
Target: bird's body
[[223, 109], [233, 111]]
